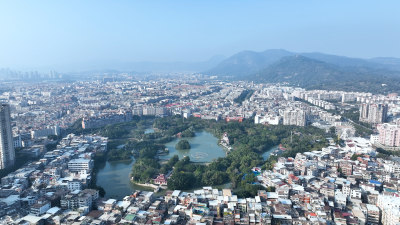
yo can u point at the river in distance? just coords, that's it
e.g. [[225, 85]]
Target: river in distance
[[114, 176]]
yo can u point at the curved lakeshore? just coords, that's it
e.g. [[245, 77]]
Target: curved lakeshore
[[147, 185], [114, 177]]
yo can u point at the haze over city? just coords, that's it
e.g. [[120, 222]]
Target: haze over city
[[78, 35], [199, 112]]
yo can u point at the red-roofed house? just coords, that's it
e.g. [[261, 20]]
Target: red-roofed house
[[161, 180]]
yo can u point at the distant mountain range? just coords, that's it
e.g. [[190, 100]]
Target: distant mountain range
[[309, 70], [142, 67], [312, 70], [247, 62]]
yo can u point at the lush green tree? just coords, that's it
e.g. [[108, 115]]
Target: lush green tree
[[355, 156], [119, 154], [249, 190], [173, 160], [144, 169], [269, 164], [182, 145], [181, 180], [214, 177], [188, 133], [180, 165], [114, 131], [165, 168]]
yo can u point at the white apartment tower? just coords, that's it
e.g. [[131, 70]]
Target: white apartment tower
[[389, 134], [296, 117], [7, 153], [373, 113]]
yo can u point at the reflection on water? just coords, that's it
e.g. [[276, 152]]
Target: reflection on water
[[204, 148], [114, 178]]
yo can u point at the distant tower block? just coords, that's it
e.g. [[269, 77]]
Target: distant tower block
[[7, 153]]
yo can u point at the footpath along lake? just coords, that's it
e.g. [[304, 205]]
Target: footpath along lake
[[114, 176]]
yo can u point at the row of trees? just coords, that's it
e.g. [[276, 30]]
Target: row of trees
[[246, 94], [132, 129], [386, 154]]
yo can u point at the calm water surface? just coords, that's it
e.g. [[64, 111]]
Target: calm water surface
[[114, 176], [204, 148], [149, 131], [266, 154]]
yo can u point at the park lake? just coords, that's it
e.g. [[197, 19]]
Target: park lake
[[114, 176]]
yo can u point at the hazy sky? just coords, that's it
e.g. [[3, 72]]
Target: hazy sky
[[47, 33]]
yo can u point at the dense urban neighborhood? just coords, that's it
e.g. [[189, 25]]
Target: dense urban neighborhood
[[54, 135], [199, 112]]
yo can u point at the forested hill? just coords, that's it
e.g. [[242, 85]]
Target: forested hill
[[313, 70], [245, 63], [300, 70], [309, 73]]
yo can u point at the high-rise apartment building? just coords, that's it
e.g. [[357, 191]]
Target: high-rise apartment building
[[295, 117], [389, 134], [7, 153], [373, 113], [363, 112]]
